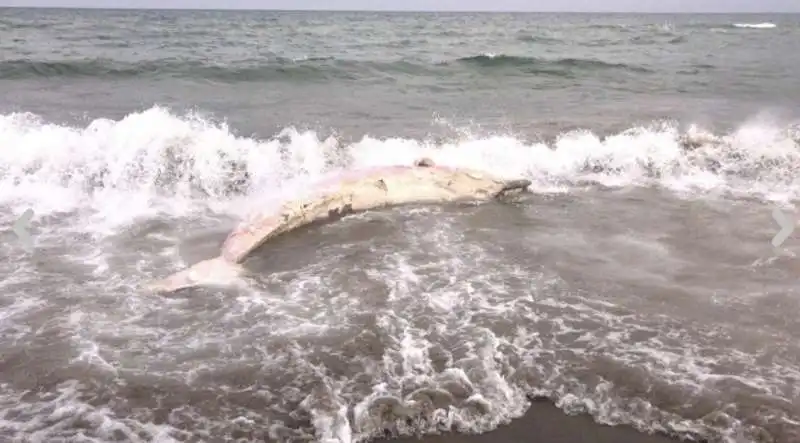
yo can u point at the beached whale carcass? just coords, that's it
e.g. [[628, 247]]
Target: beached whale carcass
[[423, 182]]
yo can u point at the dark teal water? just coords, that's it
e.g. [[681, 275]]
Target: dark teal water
[[391, 73]]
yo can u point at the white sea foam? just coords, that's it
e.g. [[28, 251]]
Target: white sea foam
[[765, 25]]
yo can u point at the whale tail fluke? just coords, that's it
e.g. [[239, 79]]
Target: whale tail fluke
[[213, 272]]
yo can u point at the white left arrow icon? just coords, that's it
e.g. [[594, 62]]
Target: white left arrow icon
[[21, 227]]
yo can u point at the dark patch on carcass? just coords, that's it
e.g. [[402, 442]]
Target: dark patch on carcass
[[338, 213], [424, 162]]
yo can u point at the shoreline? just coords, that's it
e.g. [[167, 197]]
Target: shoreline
[[546, 423]]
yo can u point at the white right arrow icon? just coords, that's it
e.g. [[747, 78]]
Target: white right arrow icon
[[787, 225]]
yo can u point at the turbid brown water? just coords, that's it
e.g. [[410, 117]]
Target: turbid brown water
[[636, 283]]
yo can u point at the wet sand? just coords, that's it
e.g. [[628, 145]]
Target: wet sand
[[545, 423]]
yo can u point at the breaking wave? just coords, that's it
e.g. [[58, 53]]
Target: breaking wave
[[155, 154]]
